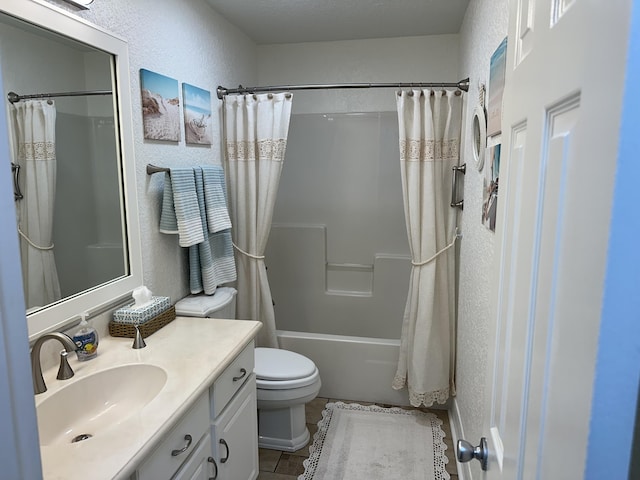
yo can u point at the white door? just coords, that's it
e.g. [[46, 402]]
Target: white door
[[562, 108]]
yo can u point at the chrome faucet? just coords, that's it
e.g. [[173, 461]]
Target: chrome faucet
[[64, 372]]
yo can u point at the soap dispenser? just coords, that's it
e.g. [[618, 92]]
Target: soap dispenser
[[86, 339]]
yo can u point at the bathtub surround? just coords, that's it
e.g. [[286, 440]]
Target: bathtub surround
[[256, 129], [429, 130]]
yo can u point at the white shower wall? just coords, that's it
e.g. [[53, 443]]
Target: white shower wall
[[338, 255]]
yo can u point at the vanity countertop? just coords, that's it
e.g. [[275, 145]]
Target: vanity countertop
[[192, 351]]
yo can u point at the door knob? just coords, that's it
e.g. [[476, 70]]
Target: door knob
[[467, 452]]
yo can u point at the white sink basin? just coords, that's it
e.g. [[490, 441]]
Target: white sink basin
[[89, 406]]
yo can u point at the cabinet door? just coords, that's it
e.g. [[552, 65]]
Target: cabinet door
[[235, 436], [200, 465]]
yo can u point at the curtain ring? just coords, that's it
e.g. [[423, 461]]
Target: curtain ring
[[287, 96], [270, 96], [458, 93], [411, 93]]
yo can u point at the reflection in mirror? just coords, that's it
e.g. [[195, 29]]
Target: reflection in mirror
[[73, 177]]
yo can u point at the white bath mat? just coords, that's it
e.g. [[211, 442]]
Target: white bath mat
[[356, 442]]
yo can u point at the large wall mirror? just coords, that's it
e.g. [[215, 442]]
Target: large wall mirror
[[72, 159]]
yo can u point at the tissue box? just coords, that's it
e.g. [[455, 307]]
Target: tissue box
[[138, 316]]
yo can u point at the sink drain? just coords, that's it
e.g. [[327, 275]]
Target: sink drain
[[81, 437]]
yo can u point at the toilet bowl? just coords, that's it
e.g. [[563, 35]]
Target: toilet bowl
[[285, 380]]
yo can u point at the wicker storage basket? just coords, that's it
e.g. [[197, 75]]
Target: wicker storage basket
[[117, 329]]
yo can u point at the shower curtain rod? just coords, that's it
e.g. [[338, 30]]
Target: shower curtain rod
[[222, 91], [13, 97]]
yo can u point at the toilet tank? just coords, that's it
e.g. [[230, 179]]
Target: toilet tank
[[222, 304]]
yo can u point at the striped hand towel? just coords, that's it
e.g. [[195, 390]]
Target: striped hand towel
[[211, 262], [215, 198], [180, 209]]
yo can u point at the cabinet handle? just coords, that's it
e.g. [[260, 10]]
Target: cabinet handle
[[244, 374], [215, 468], [189, 439], [224, 460]]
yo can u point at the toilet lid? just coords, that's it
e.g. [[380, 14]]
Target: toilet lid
[[275, 364], [202, 305]]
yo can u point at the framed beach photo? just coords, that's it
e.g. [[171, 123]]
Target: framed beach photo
[[497, 72], [490, 188], [160, 106], [197, 114]]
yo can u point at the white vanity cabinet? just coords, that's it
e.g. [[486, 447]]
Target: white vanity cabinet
[[217, 439]]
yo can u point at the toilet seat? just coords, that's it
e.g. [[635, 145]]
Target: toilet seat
[[282, 370]]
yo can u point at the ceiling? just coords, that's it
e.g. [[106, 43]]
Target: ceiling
[[294, 21]]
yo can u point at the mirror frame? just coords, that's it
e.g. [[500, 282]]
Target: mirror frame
[[65, 312]]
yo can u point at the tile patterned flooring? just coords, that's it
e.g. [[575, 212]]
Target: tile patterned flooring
[[276, 465]]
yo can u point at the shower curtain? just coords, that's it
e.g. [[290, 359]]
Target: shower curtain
[[429, 124], [34, 126], [256, 129]]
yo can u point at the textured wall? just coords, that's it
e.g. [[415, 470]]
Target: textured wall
[[484, 27], [188, 41], [431, 58]]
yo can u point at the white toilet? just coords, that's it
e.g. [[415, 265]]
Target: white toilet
[[285, 380]]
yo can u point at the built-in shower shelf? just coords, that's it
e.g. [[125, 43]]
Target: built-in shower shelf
[[349, 279]]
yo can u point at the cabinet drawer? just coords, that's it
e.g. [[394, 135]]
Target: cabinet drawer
[[161, 463], [230, 381]]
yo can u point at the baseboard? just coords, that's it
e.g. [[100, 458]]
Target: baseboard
[[457, 433]]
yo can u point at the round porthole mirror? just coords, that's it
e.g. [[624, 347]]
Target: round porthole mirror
[[479, 127]]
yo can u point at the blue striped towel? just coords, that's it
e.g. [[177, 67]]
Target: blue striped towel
[[180, 210], [215, 198], [211, 262], [194, 206]]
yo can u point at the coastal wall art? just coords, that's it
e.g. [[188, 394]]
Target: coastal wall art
[[490, 188], [160, 106], [497, 72], [197, 114]]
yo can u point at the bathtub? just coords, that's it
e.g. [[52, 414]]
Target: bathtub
[[351, 368]]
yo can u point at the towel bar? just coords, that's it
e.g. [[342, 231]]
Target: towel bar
[[151, 169]]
